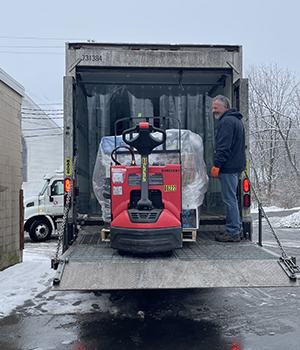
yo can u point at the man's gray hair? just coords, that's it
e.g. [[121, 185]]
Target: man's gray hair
[[223, 100]]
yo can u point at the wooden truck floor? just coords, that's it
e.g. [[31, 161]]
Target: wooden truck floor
[[92, 265]]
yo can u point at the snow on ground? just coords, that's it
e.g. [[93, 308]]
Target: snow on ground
[[273, 209], [26, 287], [24, 281], [289, 221]]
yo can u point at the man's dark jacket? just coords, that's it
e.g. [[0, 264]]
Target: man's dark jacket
[[230, 154]]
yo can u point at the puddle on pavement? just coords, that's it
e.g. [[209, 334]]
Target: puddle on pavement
[[156, 320], [152, 333]]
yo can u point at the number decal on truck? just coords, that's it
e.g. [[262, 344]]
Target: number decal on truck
[[92, 58]]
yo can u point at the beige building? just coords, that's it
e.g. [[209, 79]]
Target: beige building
[[11, 241]]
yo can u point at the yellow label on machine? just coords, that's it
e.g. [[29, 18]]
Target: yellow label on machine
[[144, 168], [170, 188], [68, 166]]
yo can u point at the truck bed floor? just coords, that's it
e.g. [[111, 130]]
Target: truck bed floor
[[93, 265]]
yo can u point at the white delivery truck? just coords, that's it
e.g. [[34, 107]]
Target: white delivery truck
[[43, 212]]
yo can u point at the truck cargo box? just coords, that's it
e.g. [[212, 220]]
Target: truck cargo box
[[108, 82]]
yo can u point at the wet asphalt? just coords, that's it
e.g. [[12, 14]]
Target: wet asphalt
[[214, 319]]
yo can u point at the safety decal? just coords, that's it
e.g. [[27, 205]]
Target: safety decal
[[117, 190], [144, 168], [68, 166]]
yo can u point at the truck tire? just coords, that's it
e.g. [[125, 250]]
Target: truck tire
[[40, 230]]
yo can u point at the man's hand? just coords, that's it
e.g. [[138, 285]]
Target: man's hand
[[214, 172]]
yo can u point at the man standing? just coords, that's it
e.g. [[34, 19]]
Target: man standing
[[229, 162]]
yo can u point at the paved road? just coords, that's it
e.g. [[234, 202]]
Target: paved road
[[215, 319]]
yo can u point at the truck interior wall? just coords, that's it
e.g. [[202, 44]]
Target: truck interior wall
[[103, 99], [84, 140]]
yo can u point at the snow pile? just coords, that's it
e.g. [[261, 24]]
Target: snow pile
[[291, 221]]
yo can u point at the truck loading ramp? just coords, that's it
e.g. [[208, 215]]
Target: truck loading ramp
[[90, 264]]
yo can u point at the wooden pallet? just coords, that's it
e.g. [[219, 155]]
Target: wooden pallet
[[188, 235], [105, 235]]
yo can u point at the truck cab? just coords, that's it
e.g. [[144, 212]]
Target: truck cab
[[43, 212]]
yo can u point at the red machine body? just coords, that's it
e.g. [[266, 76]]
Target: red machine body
[[169, 189], [146, 203]]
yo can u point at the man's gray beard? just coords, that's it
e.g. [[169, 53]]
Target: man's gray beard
[[217, 117]]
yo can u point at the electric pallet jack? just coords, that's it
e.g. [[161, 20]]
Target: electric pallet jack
[[146, 199]]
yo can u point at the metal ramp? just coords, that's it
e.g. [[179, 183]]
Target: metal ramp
[[90, 264]]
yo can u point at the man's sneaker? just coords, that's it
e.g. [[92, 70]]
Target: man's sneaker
[[228, 238]]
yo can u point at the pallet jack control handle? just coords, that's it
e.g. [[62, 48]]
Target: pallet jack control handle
[[144, 141]]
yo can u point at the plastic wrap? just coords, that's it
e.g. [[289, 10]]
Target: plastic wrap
[[194, 175]]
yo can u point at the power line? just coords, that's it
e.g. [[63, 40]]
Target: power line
[[41, 113], [41, 110], [31, 53], [38, 38], [33, 47], [42, 129], [44, 135], [42, 118], [46, 104]]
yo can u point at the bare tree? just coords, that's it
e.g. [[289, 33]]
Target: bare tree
[[274, 106]]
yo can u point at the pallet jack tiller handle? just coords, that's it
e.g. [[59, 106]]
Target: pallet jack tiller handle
[[144, 142]]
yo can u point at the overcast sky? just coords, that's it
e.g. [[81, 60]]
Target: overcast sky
[[268, 31]]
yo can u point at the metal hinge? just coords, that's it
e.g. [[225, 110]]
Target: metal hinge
[[290, 268], [59, 271]]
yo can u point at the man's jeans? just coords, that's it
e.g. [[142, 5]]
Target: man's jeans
[[229, 185]]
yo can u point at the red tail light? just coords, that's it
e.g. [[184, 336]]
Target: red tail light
[[246, 185], [247, 198], [235, 347], [67, 185], [247, 201]]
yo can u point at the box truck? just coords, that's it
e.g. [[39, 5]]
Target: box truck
[[105, 84]]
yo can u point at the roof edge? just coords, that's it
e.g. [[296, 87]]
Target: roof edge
[[12, 83]]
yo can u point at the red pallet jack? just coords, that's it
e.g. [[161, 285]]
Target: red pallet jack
[[146, 199]]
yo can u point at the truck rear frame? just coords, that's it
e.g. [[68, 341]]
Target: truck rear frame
[[107, 82]]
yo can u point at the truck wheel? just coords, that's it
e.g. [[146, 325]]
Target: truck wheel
[[40, 230]]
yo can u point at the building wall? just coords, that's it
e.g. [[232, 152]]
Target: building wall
[[10, 171]]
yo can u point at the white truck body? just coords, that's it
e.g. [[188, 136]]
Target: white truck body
[[43, 212]]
